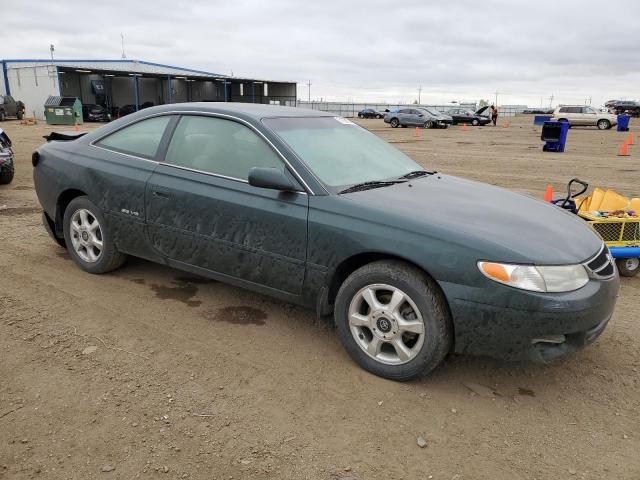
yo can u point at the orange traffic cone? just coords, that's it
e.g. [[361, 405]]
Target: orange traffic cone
[[505, 124], [548, 194], [624, 150], [417, 132], [464, 127], [630, 139]]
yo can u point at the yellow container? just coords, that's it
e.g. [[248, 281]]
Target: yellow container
[[616, 232]]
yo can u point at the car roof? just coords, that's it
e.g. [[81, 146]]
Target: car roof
[[255, 111]]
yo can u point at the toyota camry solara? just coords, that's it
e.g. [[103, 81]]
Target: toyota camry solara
[[312, 209]]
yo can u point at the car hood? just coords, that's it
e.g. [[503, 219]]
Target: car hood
[[498, 224]]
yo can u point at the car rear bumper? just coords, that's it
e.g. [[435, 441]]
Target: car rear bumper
[[560, 324]]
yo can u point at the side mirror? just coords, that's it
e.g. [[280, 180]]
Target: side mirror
[[272, 178]]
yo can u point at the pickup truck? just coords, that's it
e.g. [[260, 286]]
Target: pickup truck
[[10, 108]]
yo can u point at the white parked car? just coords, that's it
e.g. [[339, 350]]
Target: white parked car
[[584, 115]]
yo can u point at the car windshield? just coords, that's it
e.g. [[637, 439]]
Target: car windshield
[[339, 152], [435, 113]]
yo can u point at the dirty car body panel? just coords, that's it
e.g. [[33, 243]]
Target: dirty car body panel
[[298, 245]]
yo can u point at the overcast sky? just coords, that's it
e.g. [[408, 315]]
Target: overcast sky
[[359, 50]]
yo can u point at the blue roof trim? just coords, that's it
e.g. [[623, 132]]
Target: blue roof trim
[[153, 64]]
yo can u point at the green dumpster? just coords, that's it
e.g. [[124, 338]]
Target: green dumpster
[[63, 110]]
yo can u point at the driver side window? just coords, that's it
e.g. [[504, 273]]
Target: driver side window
[[219, 146]]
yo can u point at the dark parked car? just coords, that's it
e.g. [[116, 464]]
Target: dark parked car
[[315, 210], [95, 113], [417, 117], [6, 159], [620, 107], [129, 109], [538, 111], [463, 115], [10, 108], [369, 113]]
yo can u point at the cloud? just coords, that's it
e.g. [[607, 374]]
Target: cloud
[[365, 50]]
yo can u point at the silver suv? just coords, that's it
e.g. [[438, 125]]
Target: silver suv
[[584, 115]]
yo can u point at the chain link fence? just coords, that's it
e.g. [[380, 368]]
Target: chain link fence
[[350, 110]]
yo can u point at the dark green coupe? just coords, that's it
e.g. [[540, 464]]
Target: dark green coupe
[[313, 209]]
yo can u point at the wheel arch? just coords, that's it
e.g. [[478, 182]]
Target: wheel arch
[[63, 201], [349, 265]]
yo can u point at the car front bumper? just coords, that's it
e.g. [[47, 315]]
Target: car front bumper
[[533, 326]]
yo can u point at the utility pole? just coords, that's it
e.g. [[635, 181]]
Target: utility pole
[[496, 104], [551, 101], [419, 92], [124, 56], [51, 49], [309, 87]]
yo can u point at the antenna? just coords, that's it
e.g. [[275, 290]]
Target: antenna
[[309, 90], [124, 55]]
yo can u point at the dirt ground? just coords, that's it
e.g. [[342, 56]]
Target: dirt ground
[[152, 373]]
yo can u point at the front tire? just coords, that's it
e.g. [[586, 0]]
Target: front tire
[[628, 267], [6, 176], [428, 124], [19, 115], [394, 123], [3, 116], [604, 124], [475, 122], [393, 320], [88, 241]]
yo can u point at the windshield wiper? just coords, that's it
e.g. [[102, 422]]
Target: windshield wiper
[[416, 174], [368, 185]]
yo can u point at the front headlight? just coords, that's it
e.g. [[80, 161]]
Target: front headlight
[[561, 278]]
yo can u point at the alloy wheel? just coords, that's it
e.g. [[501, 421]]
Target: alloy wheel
[[386, 324], [86, 235]]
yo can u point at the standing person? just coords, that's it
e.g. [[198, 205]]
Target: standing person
[[494, 115]]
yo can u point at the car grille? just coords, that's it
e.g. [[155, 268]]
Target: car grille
[[601, 266]]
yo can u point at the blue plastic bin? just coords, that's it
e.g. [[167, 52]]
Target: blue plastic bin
[[540, 119], [554, 134], [623, 123]]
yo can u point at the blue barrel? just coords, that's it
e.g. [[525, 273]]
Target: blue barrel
[[623, 123], [540, 119], [554, 134]]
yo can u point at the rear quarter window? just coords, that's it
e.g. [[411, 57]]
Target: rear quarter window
[[141, 139]]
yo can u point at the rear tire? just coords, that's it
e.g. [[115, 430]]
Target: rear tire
[[628, 267], [19, 115], [604, 124], [3, 116], [6, 176], [474, 122], [88, 241], [407, 333]]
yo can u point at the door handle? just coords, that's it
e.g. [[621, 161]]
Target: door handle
[[160, 194]]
